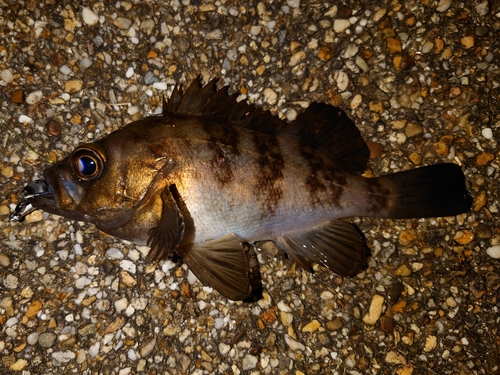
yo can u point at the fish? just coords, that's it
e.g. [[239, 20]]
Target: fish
[[211, 175]]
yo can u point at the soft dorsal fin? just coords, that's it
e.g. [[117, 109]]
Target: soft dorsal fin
[[321, 126], [328, 129]]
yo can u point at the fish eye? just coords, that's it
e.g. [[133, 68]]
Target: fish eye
[[87, 162]]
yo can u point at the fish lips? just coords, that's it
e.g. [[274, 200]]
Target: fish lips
[[62, 195]]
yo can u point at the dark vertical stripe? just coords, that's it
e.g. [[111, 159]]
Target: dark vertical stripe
[[269, 177], [324, 182], [223, 142]]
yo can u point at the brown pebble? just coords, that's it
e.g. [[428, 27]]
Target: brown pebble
[[53, 127], [393, 45], [386, 324], [406, 237], [58, 59], [480, 200], [415, 158], [17, 96], [441, 148], [116, 325], [402, 270], [335, 324], [467, 41], [375, 149], [412, 129], [325, 54], [186, 290], [33, 309], [484, 158], [463, 237]]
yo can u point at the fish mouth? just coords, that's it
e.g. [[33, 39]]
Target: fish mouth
[[37, 193], [56, 193]]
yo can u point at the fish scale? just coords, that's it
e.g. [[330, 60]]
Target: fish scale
[[211, 175]]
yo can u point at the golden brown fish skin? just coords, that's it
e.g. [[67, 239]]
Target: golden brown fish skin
[[212, 173]]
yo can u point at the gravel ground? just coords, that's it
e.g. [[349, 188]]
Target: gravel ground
[[420, 79]]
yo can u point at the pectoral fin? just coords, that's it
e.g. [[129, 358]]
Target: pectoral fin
[[164, 238], [337, 245], [224, 265]]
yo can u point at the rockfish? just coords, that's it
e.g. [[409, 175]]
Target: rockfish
[[212, 174]]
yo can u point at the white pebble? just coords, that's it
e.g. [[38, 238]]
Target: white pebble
[[293, 344], [130, 72], [293, 3], [494, 251], [128, 265], [78, 249], [82, 282], [224, 348], [160, 86], [115, 253], [487, 133], [23, 119], [219, 323], [7, 76], [270, 96], [94, 349], [249, 362], [121, 305], [89, 16], [443, 5], [131, 355]]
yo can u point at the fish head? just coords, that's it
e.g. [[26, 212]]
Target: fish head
[[114, 183]]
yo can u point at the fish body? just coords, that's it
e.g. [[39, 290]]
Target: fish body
[[212, 173]]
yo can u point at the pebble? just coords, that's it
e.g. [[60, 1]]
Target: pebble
[[122, 23], [393, 45], [463, 237], [395, 292], [47, 339], [63, 357], [494, 251], [73, 86], [413, 129], [335, 324], [311, 327], [402, 270], [340, 25], [487, 133], [249, 362], [19, 365], [294, 344], [121, 304], [33, 309], [297, 58], [375, 310], [4, 260], [270, 96], [395, 358], [10, 281], [7, 76], [443, 5], [34, 97], [146, 349], [89, 16], [430, 343], [128, 265]]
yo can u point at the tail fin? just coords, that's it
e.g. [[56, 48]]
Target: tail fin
[[432, 191]]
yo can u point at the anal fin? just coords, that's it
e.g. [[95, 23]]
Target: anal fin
[[338, 245], [224, 265]]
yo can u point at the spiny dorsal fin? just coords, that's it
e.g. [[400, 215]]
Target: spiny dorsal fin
[[207, 101], [320, 126]]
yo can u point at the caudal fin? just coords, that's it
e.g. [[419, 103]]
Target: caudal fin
[[432, 191]]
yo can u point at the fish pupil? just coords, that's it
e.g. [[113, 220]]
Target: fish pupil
[[87, 166]]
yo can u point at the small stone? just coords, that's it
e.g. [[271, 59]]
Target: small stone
[[297, 58], [121, 304], [386, 324], [286, 318], [128, 265], [33, 309], [403, 270], [63, 357], [224, 348], [463, 237], [10, 281], [17, 96], [127, 279], [480, 200], [487, 133], [46, 339], [249, 362], [395, 292], [482, 8], [73, 86], [311, 327], [430, 343], [89, 16], [7, 172], [356, 101], [484, 158], [293, 3], [412, 129], [294, 344], [340, 25], [335, 324], [395, 358], [270, 96], [393, 45], [4, 260], [325, 54], [415, 158], [443, 5], [494, 251], [19, 364], [53, 127], [147, 348], [407, 369], [406, 237], [115, 325], [450, 301], [375, 310], [7, 76], [122, 23], [467, 41]]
